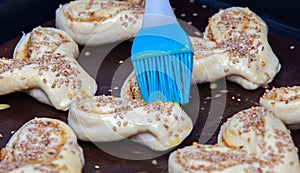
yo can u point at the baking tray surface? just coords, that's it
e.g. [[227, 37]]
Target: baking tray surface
[[24, 108]]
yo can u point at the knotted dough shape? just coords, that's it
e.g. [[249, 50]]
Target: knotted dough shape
[[235, 45], [45, 66], [158, 125], [42, 145], [96, 22], [285, 103], [253, 140]]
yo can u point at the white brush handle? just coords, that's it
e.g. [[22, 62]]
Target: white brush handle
[[158, 12], [159, 7]]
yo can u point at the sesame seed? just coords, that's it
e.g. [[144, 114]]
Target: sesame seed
[[198, 33], [182, 15], [224, 91], [217, 95], [207, 98], [124, 24], [119, 123], [213, 86], [136, 152], [97, 167], [204, 6], [125, 123], [4, 106], [87, 53], [292, 47], [154, 162]]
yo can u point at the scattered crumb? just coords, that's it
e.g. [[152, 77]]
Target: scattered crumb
[[224, 91], [154, 162], [213, 86], [218, 95], [266, 86], [137, 152], [4, 106], [207, 98], [87, 53], [198, 33], [182, 15]]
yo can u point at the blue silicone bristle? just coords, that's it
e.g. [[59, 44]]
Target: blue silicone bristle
[[167, 83], [162, 58]]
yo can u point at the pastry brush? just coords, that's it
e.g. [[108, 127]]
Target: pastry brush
[[162, 55]]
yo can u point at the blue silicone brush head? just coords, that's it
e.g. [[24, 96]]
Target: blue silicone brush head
[[162, 56]]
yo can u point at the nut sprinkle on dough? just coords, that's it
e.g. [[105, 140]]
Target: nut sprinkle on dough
[[235, 40], [100, 21], [42, 145], [253, 140], [234, 46], [285, 103], [52, 52], [45, 40], [157, 125], [60, 77]]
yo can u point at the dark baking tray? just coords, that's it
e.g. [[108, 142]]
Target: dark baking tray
[[24, 108]]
